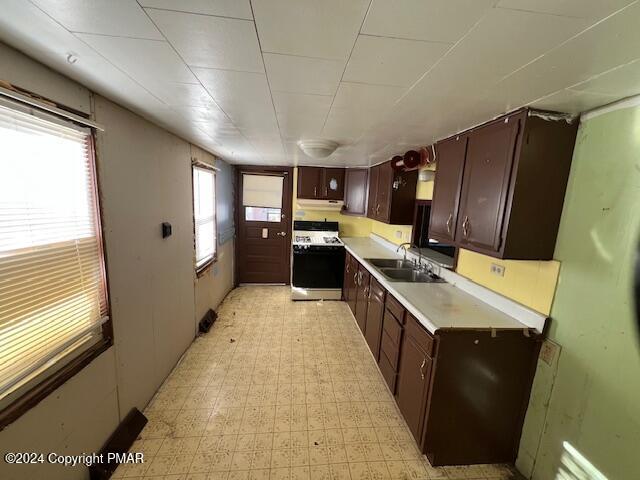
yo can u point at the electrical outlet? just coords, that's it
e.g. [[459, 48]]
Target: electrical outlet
[[548, 351], [497, 269], [398, 233], [406, 236]]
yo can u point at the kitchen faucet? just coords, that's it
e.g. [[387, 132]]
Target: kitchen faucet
[[404, 247]]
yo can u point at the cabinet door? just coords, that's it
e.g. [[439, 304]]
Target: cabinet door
[[333, 183], [362, 297], [487, 171], [309, 179], [446, 194], [375, 312], [413, 384], [385, 183], [373, 191], [355, 193], [351, 286]]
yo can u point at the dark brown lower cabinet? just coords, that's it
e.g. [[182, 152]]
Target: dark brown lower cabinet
[[362, 297], [350, 286], [375, 312], [414, 375], [478, 396], [463, 393]]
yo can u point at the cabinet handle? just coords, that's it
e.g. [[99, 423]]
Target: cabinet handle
[[366, 292], [449, 220], [355, 278], [347, 268], [378, 208], [424, 362], [465, 226], [315, 191]]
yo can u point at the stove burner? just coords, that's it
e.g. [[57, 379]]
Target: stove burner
[[332, 240], [303, 239]]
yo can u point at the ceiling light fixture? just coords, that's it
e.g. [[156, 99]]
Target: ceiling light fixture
[[317, 148]]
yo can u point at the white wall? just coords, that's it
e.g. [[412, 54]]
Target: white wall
[[145, 179]]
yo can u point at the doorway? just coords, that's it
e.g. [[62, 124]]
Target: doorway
[[263, 251]]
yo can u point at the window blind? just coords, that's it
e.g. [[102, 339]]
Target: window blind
[[204, 209], [262, 190], [52, 280]]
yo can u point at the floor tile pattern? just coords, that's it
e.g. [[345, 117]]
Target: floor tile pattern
[[281, 390]]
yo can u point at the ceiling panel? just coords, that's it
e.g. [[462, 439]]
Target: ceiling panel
[[207, 114], [212, 42], [288, 73], [107, 17], [362, 97], [301, 116], [141, 59], [376, 60], [571, 101], [608, 44], [223, 8], [435, 20], [181, 94], [502, 42], [622, 81], [243, 96], [592, 9], [311, 28]]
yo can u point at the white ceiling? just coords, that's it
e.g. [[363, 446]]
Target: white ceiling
[[247, 79]]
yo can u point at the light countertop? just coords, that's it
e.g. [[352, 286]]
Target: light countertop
[[435, 305]]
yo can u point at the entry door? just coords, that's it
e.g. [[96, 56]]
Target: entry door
[[263, 251]]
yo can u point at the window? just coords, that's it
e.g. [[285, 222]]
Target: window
[[204, 213], [262, 197], [53, 298]]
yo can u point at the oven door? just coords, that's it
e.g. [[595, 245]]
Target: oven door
[[318, 267]]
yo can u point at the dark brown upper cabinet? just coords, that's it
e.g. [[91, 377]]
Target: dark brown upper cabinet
[[319, 183], [446, 193], [355, 191], [391, 194], [505, 199]]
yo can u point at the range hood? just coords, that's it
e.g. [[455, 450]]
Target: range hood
[[333, 205]]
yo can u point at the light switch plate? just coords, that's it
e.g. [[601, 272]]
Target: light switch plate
[[398, 233], [497, 269]]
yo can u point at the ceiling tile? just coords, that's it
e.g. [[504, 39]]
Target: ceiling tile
[[391, 61], [571, 101], [593, 9], [325, 29], [298, 103], [502, 42], [212, 42], [223, 8], [181, 94], [611, 43], [123, 18], [363, 97], [207, 114], [435, 20], [301, 116], [243, 96], [623, 81], [288, 73], [143, 60]]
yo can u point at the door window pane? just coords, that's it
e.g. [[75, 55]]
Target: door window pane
[[262, 214]]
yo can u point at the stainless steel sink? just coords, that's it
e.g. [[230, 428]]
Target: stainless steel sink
[[389, 263], [409, 275]]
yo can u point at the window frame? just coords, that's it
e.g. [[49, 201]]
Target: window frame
[[204, 268], [72, 365]]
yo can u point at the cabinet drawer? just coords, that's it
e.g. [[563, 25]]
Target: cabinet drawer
[[390, 350], [422, 338], [388, 373], [377, 290], [396, 308], [392, 327]]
